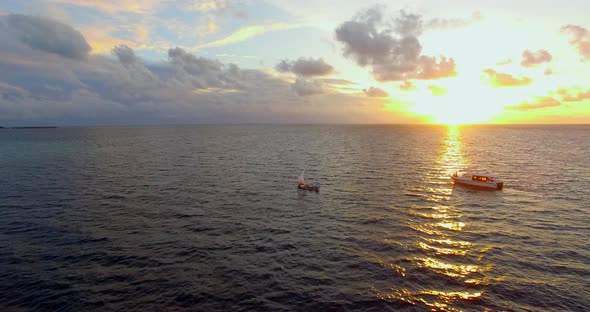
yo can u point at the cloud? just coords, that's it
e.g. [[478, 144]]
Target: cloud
[[114, 6], [45, 35], [101, 38], [393, 51], [537, 103], [407, 86], [10, 92], [553, 99], [573, 94], [504, 62], [580, 39], [375, 92], [306, 67], [336, 81], [184, 88], [219, 7], [307, 87], [533, 58], [437, 91], [246, 33], [441, 23], [548, 72], [200, 72], [51, 85], [209, 5], [125, 54], [497, 79]]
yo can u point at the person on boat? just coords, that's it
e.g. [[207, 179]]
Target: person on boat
[[301, 182]]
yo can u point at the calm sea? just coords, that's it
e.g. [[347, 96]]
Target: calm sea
[[208, 218]]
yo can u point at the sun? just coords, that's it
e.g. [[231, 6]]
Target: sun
[[452, 119], [452, 110], [458, 104]]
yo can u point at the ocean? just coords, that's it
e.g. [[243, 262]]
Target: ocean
[[209, 218]]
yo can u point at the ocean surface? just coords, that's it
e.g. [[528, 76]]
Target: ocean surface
[[208, 218]]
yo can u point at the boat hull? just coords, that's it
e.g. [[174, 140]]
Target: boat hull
[[478, 184], [314, 186]]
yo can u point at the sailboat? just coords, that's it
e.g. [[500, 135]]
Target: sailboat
[[304, 185]]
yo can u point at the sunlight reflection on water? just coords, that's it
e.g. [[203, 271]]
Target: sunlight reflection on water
[[208, 218], [439, 252]]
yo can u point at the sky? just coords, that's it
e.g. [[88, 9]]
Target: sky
[[134, 62]]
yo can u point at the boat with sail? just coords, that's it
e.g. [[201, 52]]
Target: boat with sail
[[308, 186]]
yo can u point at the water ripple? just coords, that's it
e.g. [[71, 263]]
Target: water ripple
[[207, 218]]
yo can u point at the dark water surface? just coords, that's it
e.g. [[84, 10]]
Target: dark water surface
[[208, 218]]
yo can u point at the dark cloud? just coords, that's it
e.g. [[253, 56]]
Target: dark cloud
[[284, 66], [580, 39], [45, 35], [200, 72], [192, 65], [393, 51], [307, 87], [44, 86], [497, 79], [60, 83], [125, 54], [375, 92], [363, 42], [306, 67], [407, 25], [533, 58], [441, 23], [9, 92], [538, 103]]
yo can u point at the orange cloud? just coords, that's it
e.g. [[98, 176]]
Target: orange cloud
[[101, 40], [375, 92], [573, 94], [407, 86], [537, 103], [114, 6], [497, 79], [533, 58], [580, 39]]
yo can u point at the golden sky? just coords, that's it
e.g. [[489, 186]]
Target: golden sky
[[276, 61]]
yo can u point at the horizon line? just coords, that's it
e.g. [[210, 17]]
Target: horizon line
[[49, 126]]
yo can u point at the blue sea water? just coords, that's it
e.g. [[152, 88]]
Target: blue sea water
[[208, 218]]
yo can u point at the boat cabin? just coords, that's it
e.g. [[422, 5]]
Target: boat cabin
[[482, 178]]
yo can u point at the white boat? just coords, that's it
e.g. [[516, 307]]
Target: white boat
[[482, 180]]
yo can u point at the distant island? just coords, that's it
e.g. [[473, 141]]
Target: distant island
[[30, 127]]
